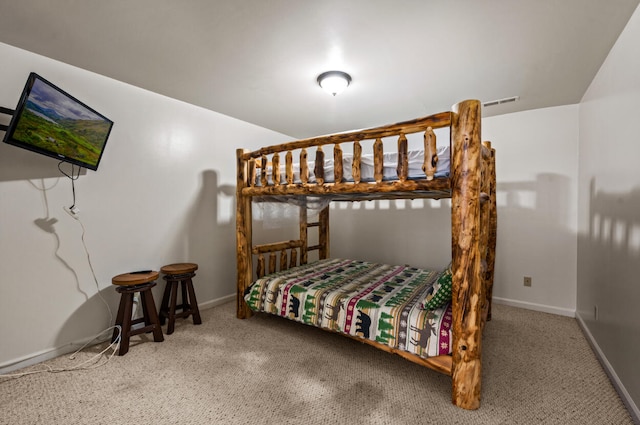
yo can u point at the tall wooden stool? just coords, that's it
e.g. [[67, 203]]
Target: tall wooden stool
[[127, 285], [179, 273]]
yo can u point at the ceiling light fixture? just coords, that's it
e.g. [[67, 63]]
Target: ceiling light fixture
[[334, 82]]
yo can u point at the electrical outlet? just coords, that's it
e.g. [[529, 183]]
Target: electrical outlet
[[73, 212], [527, 281]]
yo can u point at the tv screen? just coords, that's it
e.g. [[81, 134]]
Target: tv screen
[[50, 121]]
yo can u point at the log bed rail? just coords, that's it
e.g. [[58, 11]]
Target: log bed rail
[[471, 187], [271, 157]]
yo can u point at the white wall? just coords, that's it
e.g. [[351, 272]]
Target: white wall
[[609, 212], [536, 166], [164, 192]]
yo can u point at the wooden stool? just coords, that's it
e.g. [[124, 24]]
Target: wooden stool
[[127, 285], [174, 274]]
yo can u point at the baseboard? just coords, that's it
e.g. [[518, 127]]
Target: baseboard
[[631, 406], [217, 302], [536, 307], [52, 353]]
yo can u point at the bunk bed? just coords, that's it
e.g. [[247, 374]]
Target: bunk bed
[[343, 295]]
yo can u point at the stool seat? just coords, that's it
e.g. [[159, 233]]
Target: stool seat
[[127, 284], [179, 268], [127, 279], [179, 274]]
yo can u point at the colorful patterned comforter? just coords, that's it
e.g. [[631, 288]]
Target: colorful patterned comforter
[[373, 301]]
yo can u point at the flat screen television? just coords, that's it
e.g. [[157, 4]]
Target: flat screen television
[[51, 122]]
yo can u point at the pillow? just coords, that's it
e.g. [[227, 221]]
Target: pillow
[[440, 293]]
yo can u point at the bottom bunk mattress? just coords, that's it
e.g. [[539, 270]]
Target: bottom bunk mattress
[[386, 304]]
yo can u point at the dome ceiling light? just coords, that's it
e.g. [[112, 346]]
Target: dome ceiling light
[[334, 82]]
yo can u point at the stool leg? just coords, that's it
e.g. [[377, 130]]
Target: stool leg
[[164, 306], [193, 303], [172, 307], [151, 316], [119, 318], [127, 298], [143, 304], [185, 296]]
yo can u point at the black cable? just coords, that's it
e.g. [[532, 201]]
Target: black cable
[[73, 179]]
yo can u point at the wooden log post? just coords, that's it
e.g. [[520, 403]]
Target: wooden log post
[[378, 160], [275, 169], [323, 233], [304, 167], [252, 172], [244, 259], [357, 156], [284, 258], [260, 268], [403, 158], [493, 229], [337, 163], [430, 154], [318, 170], [485, 204], [272, 262], [304, 249], [467, 293], [288, 159], [263, 171]]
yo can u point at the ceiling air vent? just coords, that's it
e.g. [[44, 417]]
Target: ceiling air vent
[[501, 101]]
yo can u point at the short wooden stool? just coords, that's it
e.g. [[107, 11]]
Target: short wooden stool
[[127, 285], [179, 273]]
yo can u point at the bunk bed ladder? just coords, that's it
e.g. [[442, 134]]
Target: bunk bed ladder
[[322, 225]]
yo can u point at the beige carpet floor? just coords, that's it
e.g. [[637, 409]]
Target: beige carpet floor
[[537, 369]]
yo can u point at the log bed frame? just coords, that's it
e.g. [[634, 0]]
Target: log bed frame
[[471, 187]]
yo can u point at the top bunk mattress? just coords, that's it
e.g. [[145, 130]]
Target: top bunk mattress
[[390, 163], [378, 302]]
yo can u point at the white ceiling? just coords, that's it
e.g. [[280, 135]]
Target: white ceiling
[[257, 60]]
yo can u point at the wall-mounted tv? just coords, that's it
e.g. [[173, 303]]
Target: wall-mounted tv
[[50, 121]]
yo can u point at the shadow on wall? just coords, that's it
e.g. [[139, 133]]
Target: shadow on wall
[[534, 232], [208, 239], [609, 280], [77, 323], [103, 305], [47, 224], [532, 215], [535, 237], [415, 232], [202, 238], [548, 196], [20, 164]]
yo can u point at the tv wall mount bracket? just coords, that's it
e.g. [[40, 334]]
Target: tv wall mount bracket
[[5, 111]]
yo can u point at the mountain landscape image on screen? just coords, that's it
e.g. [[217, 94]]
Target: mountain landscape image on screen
[[56, 123]]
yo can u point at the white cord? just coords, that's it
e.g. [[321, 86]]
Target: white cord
[[115, 345], [95, 280], [93, 273]]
